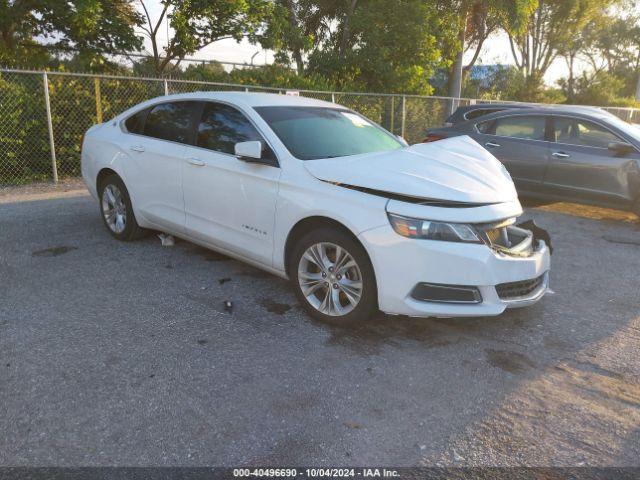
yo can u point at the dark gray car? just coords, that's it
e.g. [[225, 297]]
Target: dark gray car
[[472, 112], [571, 154]]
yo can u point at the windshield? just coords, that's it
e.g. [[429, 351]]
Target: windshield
[[319, 132]]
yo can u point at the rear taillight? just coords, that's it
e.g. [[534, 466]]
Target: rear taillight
[[433, 137]]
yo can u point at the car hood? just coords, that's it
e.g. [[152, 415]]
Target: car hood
[[455, 169]]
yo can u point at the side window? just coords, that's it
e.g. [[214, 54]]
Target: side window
[[171, 121], [486, 127], [573, 131], [524, 127], [222, 126], [135, 122], [479, 113]]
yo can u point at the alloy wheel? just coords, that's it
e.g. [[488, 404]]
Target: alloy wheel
[[330, 279], [114, 208]]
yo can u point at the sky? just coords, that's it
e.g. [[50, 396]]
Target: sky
[[495, 51]]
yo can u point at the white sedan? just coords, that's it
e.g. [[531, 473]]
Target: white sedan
[[316, 193]]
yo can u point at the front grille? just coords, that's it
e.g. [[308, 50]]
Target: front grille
[[524, 288]]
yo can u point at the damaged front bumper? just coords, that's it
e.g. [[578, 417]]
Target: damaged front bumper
[[445, 279], [515, 240]]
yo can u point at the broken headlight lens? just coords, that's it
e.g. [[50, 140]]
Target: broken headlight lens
[[428, 230]]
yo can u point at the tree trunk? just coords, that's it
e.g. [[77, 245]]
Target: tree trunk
[[638, 83], [297, 57], [296, 52], [346, 27], [571, 79], [455, 77]]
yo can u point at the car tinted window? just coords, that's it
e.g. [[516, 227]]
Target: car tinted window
[[486, 127], [525, 127], [135, 122], [573, 131], [480, 112], [171, 121], [222, 126]]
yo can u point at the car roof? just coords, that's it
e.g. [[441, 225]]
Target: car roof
[[250, 99], [574, 110], [481, 106]]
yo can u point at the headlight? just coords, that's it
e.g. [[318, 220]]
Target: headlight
[[428, 230]]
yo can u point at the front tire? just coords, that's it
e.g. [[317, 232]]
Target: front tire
[[333, 277], [116, 209]]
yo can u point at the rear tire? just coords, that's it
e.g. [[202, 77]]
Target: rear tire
[[333, 277], [117, 212]]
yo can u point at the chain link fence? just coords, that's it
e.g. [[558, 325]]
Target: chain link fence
[[43, 115]]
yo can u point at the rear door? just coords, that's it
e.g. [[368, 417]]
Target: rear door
[[229, 202], [582, 166], [520, 143], [153, 173]]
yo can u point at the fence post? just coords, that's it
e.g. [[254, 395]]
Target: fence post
[[333, 97], [404, 115], [52, 145], [166, 87], [393, 112], [96, 83]]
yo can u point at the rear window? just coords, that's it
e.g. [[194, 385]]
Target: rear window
[[480, 112], [135, 122], [171, 121]]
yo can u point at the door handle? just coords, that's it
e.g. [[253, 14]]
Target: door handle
[[195, 162], [137, 148], [492, 145], [561, 155]]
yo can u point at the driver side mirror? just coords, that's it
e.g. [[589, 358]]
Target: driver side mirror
[[621, 148], [249, 151]]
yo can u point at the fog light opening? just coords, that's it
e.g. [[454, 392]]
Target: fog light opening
[[433, 292]]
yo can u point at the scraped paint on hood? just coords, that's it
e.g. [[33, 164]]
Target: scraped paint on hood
[[455, 169]]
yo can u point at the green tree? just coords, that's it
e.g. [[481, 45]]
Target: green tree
[[291, 31], [599, 88], [194, 24], [378, 45], [550, 30], [475, 21], [29, 29], [617, 48]]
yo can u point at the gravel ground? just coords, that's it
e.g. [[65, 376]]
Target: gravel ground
[[122, 354]]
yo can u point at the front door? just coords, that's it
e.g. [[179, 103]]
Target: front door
[[519, 142], [583, 167], [229, 202]]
